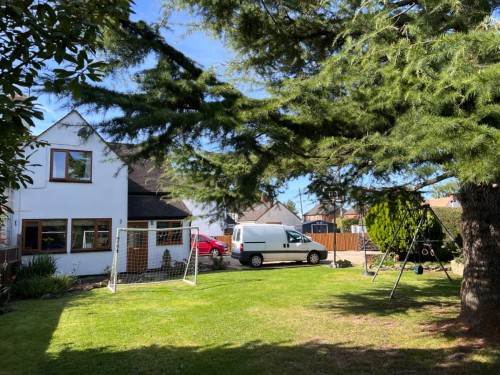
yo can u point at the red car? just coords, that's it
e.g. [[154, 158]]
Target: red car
[[209, 246]]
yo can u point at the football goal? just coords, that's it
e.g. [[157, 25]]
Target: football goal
[[143, 255]]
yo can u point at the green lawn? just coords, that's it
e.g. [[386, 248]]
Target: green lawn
[[295, 320]]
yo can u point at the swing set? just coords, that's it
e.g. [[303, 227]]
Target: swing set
[[427, 244]]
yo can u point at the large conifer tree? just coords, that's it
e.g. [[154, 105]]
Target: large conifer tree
[[397, 95]]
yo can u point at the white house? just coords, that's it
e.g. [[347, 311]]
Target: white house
[[201, 218], [81, 194]]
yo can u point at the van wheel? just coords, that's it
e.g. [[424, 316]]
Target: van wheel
[[313, 258], [256, 261], [214, 252]]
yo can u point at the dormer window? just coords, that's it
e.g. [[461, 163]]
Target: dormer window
[[71, 166]]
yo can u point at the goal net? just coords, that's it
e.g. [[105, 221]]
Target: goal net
[[154, 255]]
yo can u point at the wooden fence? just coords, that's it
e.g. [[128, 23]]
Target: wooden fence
[[345, 241], [9, 255]]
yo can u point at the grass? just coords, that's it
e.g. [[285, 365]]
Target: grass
[[293, 320]]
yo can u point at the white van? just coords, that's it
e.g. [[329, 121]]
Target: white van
[[257, 243]]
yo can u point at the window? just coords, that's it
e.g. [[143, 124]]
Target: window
[[296, 237], [170, 237], [74, 166], [44, 236], [90, 234]]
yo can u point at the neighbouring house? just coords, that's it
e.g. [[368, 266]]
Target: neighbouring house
[[450, 201], [323, 213], [268, 213], [351, 213], [82, 192]]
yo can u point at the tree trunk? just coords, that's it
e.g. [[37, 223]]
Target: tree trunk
[[480, 294]]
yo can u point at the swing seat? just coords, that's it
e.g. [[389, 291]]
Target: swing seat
[[418, 269]]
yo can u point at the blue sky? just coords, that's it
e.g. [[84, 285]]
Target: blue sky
[[198, 46]]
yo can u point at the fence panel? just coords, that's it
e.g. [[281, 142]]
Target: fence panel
[[9, 255], [226, 239], [345, 241]]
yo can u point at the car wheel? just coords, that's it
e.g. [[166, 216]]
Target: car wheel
[[256, 260], [313, 258], [214, 252]]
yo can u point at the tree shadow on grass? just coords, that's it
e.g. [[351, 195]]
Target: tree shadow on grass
[[375, 299], [438, 297], [261, 358]]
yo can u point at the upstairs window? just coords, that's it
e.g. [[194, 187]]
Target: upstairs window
[[72, 166]]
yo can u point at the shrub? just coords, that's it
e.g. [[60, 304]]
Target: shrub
[[37, 277], [218, 263], [38, 265], [166, 261], [383, 219], [347, 223], [37, 286], [452, 220]]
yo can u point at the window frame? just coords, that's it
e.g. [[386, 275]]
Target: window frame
[[66, 177], [170, 240], [95, 247], [40, 250]]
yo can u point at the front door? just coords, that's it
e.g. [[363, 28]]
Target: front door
[[137, 247]]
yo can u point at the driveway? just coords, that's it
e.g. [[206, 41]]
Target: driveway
[[355, 257]]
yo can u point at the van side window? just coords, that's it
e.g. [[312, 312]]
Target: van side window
[[293, 237], [237, 234]]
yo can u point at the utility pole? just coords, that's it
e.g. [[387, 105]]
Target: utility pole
[[301, 208], [334, 200]]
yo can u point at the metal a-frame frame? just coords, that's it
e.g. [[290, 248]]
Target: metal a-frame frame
[[425, 209]]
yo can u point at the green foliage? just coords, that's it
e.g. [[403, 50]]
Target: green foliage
[[346, 224], [218, 263], [452, 221], [37, 286], [37, 277], [445, 190], [291, 206], [166, 260], [37, 265], [383, 219], [366, 89]]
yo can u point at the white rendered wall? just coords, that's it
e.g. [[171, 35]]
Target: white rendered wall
[[178, 253], [105, 197], [197, 212]]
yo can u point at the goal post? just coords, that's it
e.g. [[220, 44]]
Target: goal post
[[154, 255]]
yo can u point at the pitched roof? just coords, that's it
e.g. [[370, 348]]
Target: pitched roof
[[144, 178], [321, 209], [450, 201], [259, 210], [255, 212], [153, 207]]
